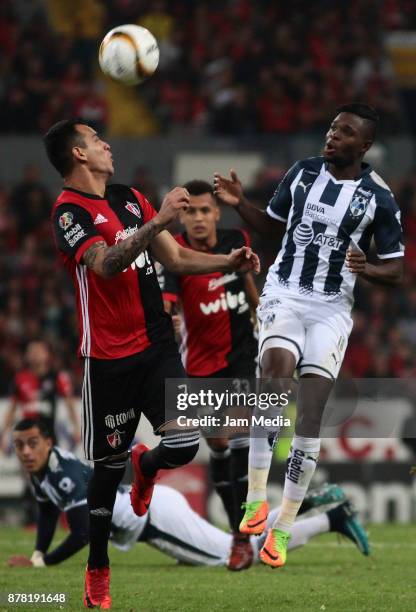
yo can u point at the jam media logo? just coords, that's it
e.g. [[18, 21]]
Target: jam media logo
[[66, 220], [133, 208], [115, 439]]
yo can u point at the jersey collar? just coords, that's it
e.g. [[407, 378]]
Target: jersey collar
[[366, 169], [90, 196]]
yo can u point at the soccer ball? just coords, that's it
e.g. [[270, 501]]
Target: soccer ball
[[129, 54]]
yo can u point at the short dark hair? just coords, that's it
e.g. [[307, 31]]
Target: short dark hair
[[59, 140], [198, 187], [365, 112], [40, 422]]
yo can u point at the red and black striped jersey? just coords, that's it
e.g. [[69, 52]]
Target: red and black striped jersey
[[122, 315], [218, 327], [38, 395]]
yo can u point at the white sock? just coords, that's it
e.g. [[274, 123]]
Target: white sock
[[300, 468], [302, 531], [259, 459]]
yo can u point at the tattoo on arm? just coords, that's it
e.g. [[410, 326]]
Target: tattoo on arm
[[90, 254], [119, 256]]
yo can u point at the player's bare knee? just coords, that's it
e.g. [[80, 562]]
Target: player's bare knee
[[277, 363]]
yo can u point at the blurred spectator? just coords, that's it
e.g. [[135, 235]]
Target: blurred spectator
[[144, 182], [298, 61]]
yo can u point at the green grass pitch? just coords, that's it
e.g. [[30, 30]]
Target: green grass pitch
[[324, 575]]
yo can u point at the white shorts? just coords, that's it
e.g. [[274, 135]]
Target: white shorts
[[315, 332]]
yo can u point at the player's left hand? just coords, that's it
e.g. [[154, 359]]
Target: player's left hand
[[19, 561], [244, 260], [356, 261]]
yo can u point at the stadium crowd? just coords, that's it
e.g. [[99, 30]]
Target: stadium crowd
[[36, 299], [234, 67], [230, 67]]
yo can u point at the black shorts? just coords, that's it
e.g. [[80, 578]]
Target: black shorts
[[116, 392], [244, 368]]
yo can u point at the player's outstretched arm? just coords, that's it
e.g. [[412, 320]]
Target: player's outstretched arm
[[107, 261], [230, 191], [389, 272], [180, 260]]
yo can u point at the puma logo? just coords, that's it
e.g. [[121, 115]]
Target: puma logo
[[302, 184]]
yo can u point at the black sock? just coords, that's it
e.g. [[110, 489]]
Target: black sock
[[220, 464], [176, 449], [102, 491], [239, 482]]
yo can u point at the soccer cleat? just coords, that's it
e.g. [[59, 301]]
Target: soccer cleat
[[142, 487], [323, 496], [344, 519], [241, 555], [255, 517], [97, 588], [274, 550]]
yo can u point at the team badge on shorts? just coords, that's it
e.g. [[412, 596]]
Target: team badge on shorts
[[268, 319], [116, 438]]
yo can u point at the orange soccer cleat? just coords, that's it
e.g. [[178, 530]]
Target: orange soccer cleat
[[274, 549], [255, 517]]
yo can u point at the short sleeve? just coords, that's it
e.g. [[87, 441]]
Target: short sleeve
[[64, 384], [72, 488], [169, 284], [74, 230], [148, 210], [388, 233], [281, 201]]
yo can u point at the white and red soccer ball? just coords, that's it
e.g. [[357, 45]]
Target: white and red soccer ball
[[129, 54]]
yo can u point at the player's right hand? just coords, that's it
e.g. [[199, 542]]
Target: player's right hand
[[173, 202], [229, 191]]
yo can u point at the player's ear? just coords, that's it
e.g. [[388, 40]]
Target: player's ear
[[80, 154], [366, 145]]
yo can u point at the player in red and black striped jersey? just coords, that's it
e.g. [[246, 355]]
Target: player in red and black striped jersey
[[217, 311], [35, 392], [106, 237], [217, 308]]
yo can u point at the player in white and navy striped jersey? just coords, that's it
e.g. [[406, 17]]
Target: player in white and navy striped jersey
[[325, 213]]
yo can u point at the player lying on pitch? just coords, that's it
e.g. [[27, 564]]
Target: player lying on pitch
[[60, 481]]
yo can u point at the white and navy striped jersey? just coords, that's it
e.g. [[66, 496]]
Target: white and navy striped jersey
[[324, 217], [64, 482]]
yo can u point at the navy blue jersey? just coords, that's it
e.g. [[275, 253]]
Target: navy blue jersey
[[65, 481]]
